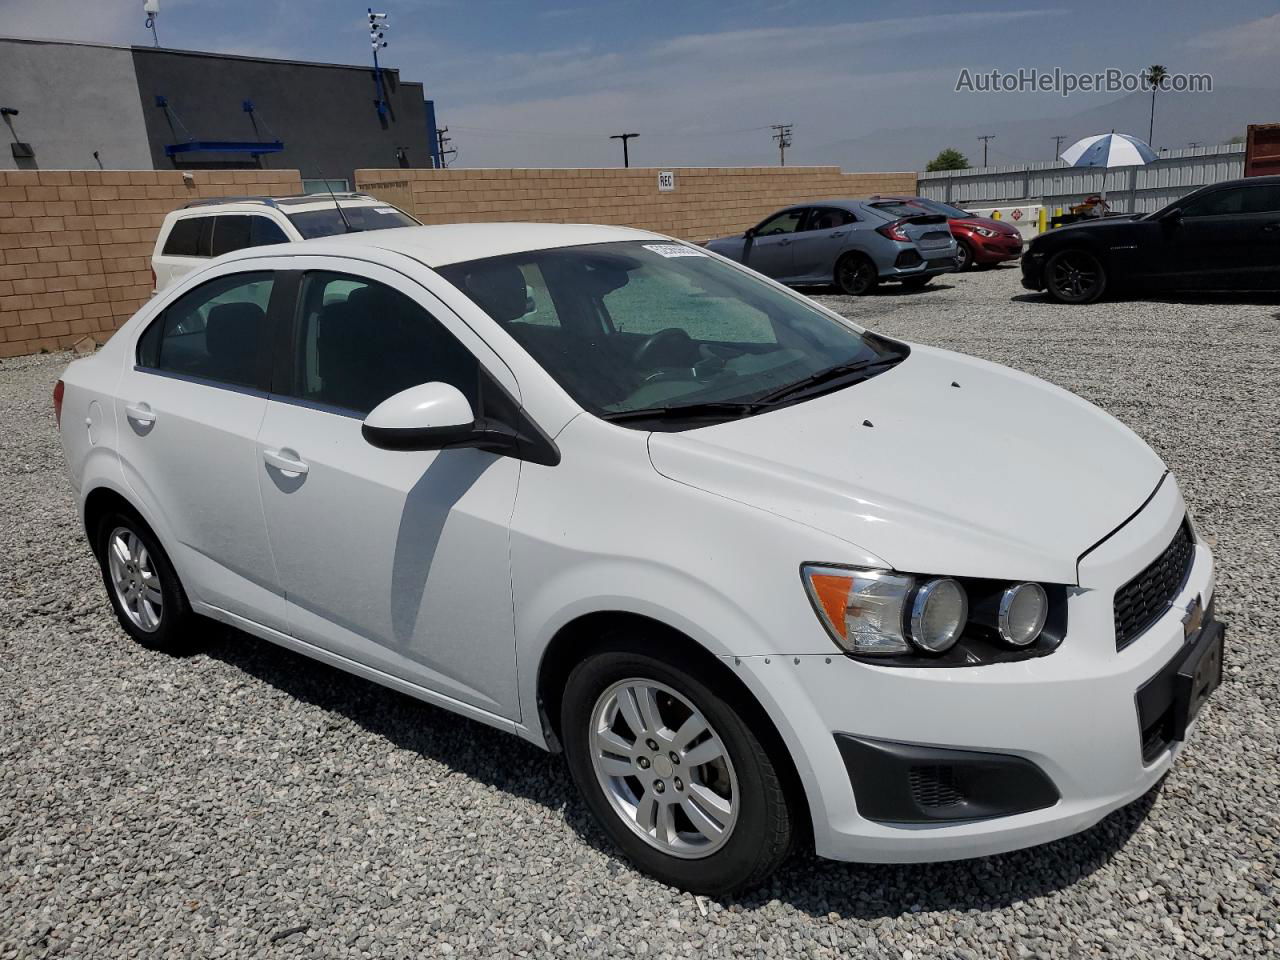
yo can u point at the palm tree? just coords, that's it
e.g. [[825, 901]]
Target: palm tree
[[1155, 76]]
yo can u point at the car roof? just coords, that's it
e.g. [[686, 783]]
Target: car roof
[[292, 204], [443, 244]]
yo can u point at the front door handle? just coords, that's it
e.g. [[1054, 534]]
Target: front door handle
[[784, 243], [140, 413], [839, 233], [1271, 228], [286, 461]]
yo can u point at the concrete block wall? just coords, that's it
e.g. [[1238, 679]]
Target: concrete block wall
[[707, 202], [75, 245]]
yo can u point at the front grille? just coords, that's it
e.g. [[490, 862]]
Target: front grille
[[934, 786], [1144, 599]]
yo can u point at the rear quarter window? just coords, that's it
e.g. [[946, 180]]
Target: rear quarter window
[[189, 237]]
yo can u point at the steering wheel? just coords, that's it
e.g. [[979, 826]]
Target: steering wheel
[[651, 347]]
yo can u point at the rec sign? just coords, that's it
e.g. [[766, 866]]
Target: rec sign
[[666, 181]]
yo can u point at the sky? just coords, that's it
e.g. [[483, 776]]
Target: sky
[[546, 83]]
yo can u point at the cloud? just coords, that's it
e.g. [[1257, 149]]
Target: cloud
[[1257, 38]]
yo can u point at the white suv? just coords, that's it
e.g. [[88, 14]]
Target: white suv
[[202, 229], [757, 570]]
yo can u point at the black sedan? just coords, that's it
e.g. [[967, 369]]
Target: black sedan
[[1222, 237]]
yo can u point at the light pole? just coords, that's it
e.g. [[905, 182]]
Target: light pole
[[377, 27], [624, 137]]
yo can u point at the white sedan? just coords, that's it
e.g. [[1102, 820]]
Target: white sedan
[[757, 571]]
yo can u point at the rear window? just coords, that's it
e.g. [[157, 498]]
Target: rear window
[[900, 208], [230, 233], [328, 222], [189, 237]]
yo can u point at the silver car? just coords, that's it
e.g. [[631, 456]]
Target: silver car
[[853, 243]]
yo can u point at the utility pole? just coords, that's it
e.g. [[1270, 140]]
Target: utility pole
[[1195, 143], [443, 150], [624, 137], [782, 134], [1057, 145], [984, 139]]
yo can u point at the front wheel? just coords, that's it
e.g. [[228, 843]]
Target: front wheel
[[964, 256], [856, 275], [1075, 276], [673, 772]]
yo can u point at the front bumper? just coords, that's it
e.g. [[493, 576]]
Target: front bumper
[[1033, 270], [1071, 715], [995, 249]]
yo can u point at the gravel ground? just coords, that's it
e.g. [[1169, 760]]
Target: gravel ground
[[243, 801]]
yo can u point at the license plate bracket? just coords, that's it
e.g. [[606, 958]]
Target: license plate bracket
[[1198, 675]]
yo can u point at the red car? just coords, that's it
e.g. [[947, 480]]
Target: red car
[[979, 240]]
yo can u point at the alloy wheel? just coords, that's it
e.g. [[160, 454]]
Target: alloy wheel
[[1075, 276], [663, 768], [856, 276], [963, 257], [134, 579]]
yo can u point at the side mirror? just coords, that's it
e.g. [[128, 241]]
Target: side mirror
[[1173, 217], [426, 417], [749, 233]]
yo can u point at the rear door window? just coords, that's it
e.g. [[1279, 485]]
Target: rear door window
[[1262, 200], [218, 331], [189, 237], [828, 218], [230, 232]]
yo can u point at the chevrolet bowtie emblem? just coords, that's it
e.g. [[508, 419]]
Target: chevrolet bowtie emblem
[[1193, 618]]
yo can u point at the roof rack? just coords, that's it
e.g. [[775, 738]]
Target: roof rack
[[279, 201]]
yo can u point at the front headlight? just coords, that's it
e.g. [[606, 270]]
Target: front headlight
[[984, 231], [877, 613]]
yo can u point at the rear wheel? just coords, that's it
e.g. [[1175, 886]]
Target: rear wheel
[[1075, 276], [144, 589], [673, 771], [856, 274]]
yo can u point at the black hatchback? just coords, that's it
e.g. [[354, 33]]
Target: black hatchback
[[1221, 237]]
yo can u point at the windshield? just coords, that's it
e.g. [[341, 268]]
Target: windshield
[[946, 209], [327, 222], [652, 326]]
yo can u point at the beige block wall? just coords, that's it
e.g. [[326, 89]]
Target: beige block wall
[[707, 202], [75, 245]]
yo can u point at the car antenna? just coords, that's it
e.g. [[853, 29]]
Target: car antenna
[[342, 213]]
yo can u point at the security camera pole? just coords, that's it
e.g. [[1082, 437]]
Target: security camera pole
[[152, 9], [377, 27], [624, 137]]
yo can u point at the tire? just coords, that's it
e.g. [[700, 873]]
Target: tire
[[916, 283], [736, 788], [856, 275], [964, 256], [1075, 276], [137, 573]]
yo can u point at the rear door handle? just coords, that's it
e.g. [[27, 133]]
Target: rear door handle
[[140, 413], [839, 233], [784, 243], [286, 461], [1271, 228]]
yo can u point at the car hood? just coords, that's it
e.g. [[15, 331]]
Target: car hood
[[944, 464], [999, 227]]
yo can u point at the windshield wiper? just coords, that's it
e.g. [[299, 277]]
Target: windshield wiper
[[689, 411], [837, 372]]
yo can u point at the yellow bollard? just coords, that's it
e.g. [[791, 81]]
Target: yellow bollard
[[1057, 211], [1042, 221], [995, 214]]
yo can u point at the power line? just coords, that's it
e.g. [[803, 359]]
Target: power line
[[1057, 144], [985, 138], [782, 134], [624, 137]]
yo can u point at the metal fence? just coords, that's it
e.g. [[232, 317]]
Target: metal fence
[[1128, 189]]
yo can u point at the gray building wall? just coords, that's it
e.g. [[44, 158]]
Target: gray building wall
[[72, 99], [324, 114]]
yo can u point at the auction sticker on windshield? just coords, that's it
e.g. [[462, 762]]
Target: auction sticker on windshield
[[673, 250]]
